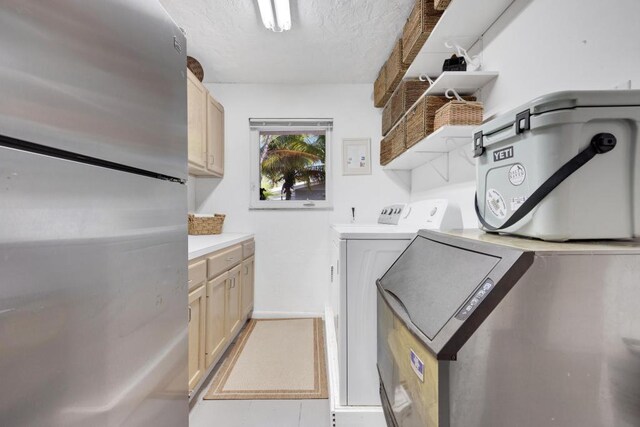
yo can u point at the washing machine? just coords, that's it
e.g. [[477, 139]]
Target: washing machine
[[361, 253]]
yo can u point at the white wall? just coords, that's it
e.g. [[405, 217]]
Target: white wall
[[542, 46], [537, 46], [292, 247]]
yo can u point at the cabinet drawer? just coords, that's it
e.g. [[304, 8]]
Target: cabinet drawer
[[197, 273], [248, 249], [223, 261]]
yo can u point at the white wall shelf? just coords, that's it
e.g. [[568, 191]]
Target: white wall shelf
[[464, 82], [463, 23], [442, 141]]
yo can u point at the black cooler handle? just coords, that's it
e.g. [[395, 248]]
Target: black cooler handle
[[600, 144]]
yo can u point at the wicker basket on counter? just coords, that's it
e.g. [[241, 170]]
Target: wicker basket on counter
[[199, 225], [460, 113]]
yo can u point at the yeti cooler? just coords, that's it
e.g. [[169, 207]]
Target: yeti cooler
[[562, 167]]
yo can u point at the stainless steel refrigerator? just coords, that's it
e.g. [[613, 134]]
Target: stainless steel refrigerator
[[93, 235]]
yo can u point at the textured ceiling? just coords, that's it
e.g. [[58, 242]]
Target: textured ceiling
[[331, 41]]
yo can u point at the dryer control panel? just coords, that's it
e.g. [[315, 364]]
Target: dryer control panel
[[391, 214]]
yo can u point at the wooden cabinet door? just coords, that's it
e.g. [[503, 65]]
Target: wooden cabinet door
[[197, 121], [248, 280], [215, 330], [197, 311], [215, 137], [234, 309]]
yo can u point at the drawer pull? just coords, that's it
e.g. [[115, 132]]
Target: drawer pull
[[230, 259], [189, 313]]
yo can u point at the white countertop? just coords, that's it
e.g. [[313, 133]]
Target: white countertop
[[202, 245]]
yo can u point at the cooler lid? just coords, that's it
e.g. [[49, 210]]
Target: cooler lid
[[564, 100], [443, 287]]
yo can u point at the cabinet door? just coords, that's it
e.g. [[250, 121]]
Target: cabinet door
[[215, 137], [248, 280], [234, 308], [196, 336], [215, 331], [197, 122]]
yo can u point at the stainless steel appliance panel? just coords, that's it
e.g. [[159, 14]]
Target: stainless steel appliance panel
[[93, 318], [562, 348], [430, 290], [105, 79]]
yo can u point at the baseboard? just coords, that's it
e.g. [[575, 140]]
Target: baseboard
[[284, 315]]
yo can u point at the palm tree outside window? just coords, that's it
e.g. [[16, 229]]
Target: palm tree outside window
[[291, 164]]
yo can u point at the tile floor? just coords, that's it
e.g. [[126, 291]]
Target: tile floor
[[259, 413]]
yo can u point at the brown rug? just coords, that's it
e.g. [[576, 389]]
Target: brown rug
[[274, 359]]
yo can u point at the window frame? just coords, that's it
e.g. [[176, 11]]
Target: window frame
[[289, 125]]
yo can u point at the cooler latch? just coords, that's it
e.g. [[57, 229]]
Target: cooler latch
[[478, 146], [523, 122]]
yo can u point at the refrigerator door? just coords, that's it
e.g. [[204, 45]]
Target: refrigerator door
[[93, 295], [105, 79]]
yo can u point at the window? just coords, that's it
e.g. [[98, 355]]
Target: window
[[290, 167]]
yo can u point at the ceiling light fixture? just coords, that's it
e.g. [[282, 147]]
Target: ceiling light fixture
[[280, 20]]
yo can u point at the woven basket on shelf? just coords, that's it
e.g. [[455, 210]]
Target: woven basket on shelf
[[199, 225], [421, 22], [461, 113], [196, 68], [421, 118], [441, 4], [394, 68], [380, 94], [393, 144], [402, 99]]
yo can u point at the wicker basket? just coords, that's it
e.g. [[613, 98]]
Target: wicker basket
[[421, 118], [196, 68], [422, 20], [395, 69], [380, 94], [459, 113], [199, 225], [393, 144], [401, 100], [441, 4]]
